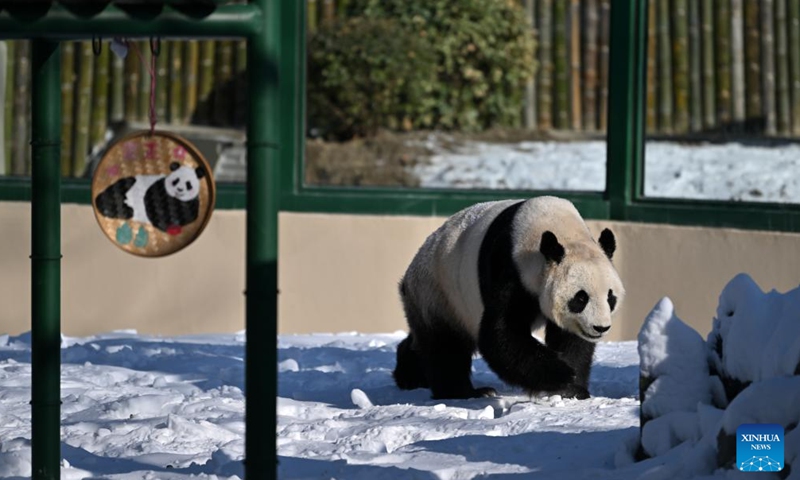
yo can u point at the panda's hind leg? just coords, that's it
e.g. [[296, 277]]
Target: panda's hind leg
[[447, 360]]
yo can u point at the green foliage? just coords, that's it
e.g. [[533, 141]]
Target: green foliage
[[365, 74], [484, 55]]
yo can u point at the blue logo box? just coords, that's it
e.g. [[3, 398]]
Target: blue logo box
[[759, 447]]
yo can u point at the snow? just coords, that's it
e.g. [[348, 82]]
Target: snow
[[728, 171]]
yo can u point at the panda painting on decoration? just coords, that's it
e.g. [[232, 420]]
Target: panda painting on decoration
[[153, 194], [522, 282]]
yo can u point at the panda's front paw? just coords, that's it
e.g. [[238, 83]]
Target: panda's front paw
[[556, 375], [575, 391]]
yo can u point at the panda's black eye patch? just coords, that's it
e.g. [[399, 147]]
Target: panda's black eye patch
[[188, 185], [578, 302], [612, 300], [175, 182]]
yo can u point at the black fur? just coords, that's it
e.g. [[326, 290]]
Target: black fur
[[436, 356], [563, 365], [607, 242], [111, 201], [550, 248], [165, 211]]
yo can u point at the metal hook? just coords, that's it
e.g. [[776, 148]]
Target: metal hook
[[155, 48], [97, 45]]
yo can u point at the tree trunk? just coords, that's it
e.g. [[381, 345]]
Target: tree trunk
[[143, 110], [709, 77], [695, 69], [176, 95], [529, 111], [545, 92], [794, 62], [192, 73], [84, 108], [162, 81], [206, 82], [752, 56], [768, 66], [99, 105], [21, 129], [67, 105], [783, 99], [665, 67], [133, 68], [561, 64], [591, 20]]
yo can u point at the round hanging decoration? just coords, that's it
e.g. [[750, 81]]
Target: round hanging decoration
[[152, 192]]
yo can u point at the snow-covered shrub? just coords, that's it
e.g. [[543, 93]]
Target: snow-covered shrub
[[695, 394]]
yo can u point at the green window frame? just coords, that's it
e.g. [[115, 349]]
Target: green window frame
[[623, 198]]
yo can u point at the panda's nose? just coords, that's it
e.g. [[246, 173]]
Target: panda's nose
[[599, 329]]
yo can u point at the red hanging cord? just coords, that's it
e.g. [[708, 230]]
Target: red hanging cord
[[152, 69]]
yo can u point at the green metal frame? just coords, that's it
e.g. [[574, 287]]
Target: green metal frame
[[262, 23]]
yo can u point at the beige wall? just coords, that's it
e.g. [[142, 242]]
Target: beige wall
[[340, 273]]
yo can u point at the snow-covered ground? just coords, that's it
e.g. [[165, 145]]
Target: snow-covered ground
[[730, 171]]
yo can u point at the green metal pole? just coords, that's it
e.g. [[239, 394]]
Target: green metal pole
[[46, 258], [626, 91], [261, 302]]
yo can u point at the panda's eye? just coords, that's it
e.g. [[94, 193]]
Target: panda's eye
[[175, 182], [188, 185], [578, 302], [612, 300]]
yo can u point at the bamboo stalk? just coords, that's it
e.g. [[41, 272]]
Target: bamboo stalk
[[21, 132], [561, 62], [709, 78], [575, 98], [605, 12], [100, 97], [768, 66], [341, 7], [695, 70], [794, 62], [651, 112], [545, 92], [9, 105], [752, 56], [192, 52], [665, 67], [143, 109], [224, 71], [162, 80], [117, 88], [529, 110], [783, 99], [176, 97], [328, 10], [4, 61], [83, 107], [313, 20], [133, 67], [240, 94], [680, 72], [206, 80], [591, 20], [67, 105], [723, 36]]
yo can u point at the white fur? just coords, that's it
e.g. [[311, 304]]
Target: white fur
[[443, 276], [134, 197]]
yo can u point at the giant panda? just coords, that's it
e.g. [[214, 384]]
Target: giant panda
[[168, 202], [524, 283]]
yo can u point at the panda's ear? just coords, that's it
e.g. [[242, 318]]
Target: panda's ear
[[200, 172], [550, 248], [174, 166], [607, 242]]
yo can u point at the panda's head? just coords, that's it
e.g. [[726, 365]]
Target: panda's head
[[183, 182], [580, 289]]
